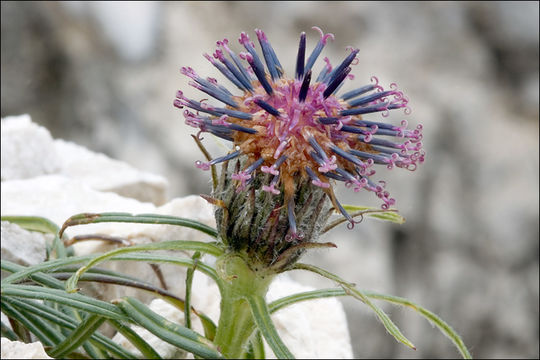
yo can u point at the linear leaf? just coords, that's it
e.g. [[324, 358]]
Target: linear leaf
[[41, 278], [40, 224], [431, 317], [264, 323], [146, 350], [86, 328], [119, 279], [7, 332], [43, 267], [376, 213], [33, 324], [33, 223], [71, 283], [386, 321], [303, 296], [386, 215], [256, 347], [77, 301], [189, 282], [175, 334], [88, 218], [67, 322]]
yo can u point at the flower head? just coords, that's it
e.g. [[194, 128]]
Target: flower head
[[298, 130]]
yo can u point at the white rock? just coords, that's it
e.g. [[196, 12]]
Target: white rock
[[103, 173], [5, 320], [57, 198], [27, 149], [191, 207], [21, 246], [20, 350], [314, 329]]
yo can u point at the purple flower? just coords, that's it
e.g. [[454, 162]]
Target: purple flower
[[299, 128]]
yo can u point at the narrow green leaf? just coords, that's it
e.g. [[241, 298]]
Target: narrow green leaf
[[43, 311], [386, 321], [71, 283], [22, 333], [62, 264], [322, 272], [118, 279], [33, 324], [58, 265], [431, 317], [256, 347], [159, 258], [181, 330], [209, 326], [43, 267], [387, 215], [355, 211], [85, 329], [50, 281], [146, 350], [33, 223], [265, 325], [7, 332], [189, 282], [65, 321], [87, 218], [40, 224], [172, 333], [303, 296], [77, 301], [40, 278]]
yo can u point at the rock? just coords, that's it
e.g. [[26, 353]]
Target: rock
[[20, 350], [21, 246], [5, 321], [103, 173], [314, 329], [27, 149], [57, 198]]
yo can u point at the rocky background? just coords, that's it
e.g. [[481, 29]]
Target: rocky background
[[104, 75]]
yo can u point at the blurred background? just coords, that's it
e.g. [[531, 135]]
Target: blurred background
[[104, 75]]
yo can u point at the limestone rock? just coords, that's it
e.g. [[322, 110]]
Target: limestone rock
[[103, 173], [21, 246], [27, 149], [314, 329], [20, 350]]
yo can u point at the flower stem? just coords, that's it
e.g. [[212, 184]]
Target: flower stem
[[236, 322]]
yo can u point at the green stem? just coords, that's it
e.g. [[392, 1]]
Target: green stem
[[236, 323]]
